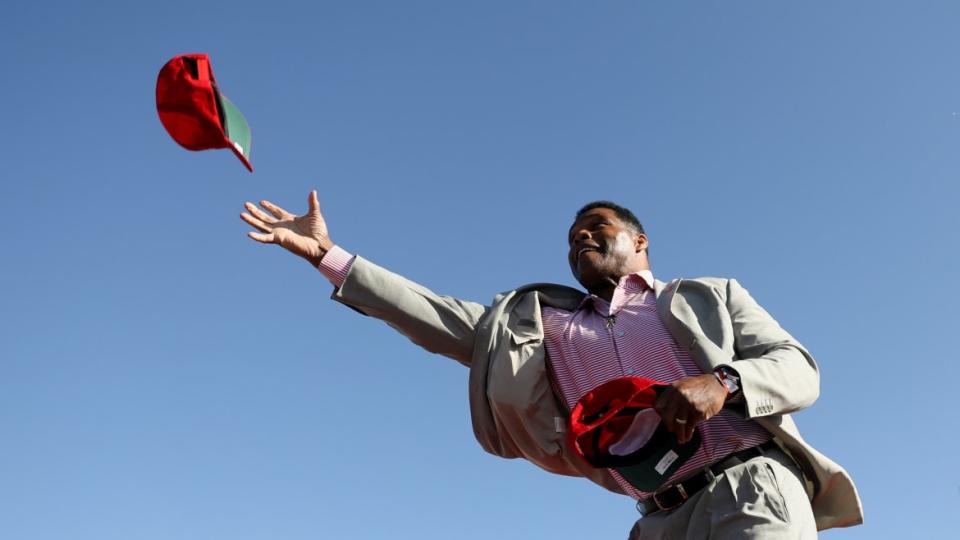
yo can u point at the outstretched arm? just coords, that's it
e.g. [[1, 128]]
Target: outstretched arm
[[439, 324]]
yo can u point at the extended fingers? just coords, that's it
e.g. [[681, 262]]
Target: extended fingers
[[255, 222], [259, 214], [278, 212], [262, 238]]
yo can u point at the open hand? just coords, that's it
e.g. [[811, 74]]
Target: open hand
[[304, 235], [689, 401]]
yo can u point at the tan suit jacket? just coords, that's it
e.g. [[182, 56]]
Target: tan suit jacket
[[515, 412]]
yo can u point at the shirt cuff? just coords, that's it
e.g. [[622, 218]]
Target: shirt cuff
[[335, 265]]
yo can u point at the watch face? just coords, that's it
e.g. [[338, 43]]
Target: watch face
[[729, 380]]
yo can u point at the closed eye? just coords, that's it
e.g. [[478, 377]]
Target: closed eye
[[590, 227]]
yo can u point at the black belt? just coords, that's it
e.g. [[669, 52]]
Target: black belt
[[674, 495]]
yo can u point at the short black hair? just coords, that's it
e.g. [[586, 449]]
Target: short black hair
[[625, 215]]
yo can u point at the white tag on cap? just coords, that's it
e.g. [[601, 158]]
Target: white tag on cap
[[666, 461], [638, 434], [559, 425]]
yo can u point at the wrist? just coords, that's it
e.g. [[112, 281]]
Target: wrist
[[316, 257], [325, 245], [728, 379], [723, 387], [319, 252]]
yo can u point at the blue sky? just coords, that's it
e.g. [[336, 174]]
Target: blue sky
[[162, 376]]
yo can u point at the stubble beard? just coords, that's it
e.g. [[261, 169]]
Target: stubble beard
[[613, 263]]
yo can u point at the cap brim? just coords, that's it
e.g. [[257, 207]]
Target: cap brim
[[236, 130]]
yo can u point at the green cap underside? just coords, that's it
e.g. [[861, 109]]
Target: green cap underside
[[656, 468], [235, 125]]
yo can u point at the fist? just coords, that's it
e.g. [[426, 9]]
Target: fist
[[689, 401]]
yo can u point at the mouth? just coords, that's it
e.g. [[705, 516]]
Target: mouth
[[585, 250]]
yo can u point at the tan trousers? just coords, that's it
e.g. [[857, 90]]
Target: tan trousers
[[762, 498]]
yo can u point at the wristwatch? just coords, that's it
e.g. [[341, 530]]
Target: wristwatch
[[728, 378]]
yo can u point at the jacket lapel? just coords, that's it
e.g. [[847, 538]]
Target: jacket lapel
[[524, 320], [682, 323]]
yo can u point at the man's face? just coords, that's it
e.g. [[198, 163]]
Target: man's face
[[603, 249]]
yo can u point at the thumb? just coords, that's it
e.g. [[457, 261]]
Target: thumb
[[313, 202]]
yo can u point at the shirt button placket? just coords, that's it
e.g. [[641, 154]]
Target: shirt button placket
[[614, 334], [627, 371]]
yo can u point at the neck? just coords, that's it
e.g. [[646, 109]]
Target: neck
[[605, 290], [609, 285]]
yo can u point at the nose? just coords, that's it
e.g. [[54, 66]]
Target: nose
[[581, 235]]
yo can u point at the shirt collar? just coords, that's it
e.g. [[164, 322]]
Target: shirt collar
[[632, 283]]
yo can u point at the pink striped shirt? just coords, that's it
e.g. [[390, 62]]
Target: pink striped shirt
[[585, 350]]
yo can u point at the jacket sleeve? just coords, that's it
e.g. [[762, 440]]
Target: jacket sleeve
[[440, 324], [777, 374]]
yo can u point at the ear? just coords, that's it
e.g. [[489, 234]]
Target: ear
[[640, 243]]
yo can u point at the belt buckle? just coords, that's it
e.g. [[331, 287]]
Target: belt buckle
[[680, 490]]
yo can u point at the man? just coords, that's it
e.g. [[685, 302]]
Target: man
[[733, 374]]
